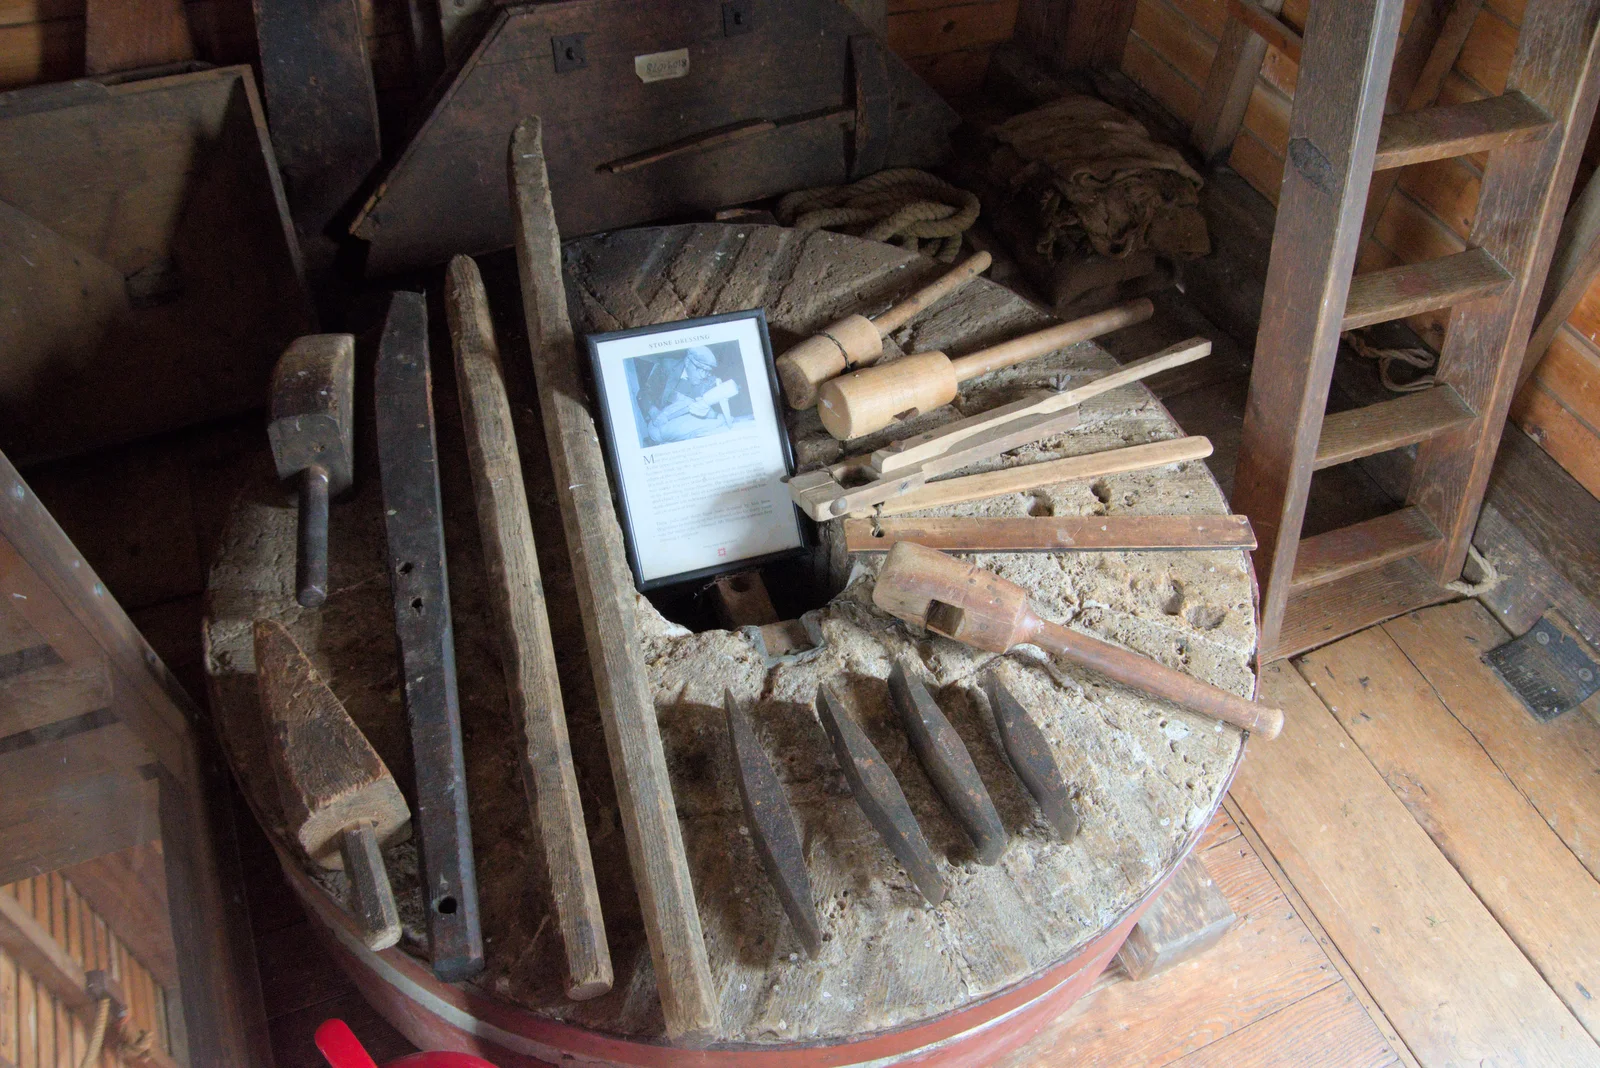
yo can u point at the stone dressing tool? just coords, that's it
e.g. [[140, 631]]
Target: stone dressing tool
[[409, 465], [773, 829], [310, 413], [527, 653], [875, 397], [338, 798], [856, 341], [606, 599], [904, 466], [957, 600], [879, 795], [946, 760], [1053, 533], [1031, 758]]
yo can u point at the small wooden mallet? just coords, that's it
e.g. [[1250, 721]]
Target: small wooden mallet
[[875, 397], [856, 341], [958, 600], [311, 426], [339, 800]]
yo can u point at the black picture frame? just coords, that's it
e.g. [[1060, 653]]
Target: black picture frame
[[617, 392]]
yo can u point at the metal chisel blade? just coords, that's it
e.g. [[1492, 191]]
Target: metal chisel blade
[[773, 827], [1030, 756], [948, 764], [879, 795], [409, 466]]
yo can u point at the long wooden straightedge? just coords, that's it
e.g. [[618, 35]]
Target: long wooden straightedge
[[409, 464], [1027, 534], [606, 599]]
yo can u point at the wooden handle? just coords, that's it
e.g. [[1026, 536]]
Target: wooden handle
[[1154, 678], [1172, 356], [928, 295], [311, 564], [1013, 352], [527, 652], [1032, 476], [371, 898], [606, 599]]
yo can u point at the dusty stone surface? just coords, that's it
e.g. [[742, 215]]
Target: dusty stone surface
[[1147, 775]]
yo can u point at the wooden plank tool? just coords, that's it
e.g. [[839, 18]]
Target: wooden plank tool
[[606, 598], [413, 518], [773, 829], [338, 797], [979, 608], [905, 466], [1029, 752], [527, 653], [856, 341], [879, 795], [310, 426], [875, 397], [1053, 533], [946, 760]]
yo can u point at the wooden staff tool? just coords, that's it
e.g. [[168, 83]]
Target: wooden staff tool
[[772, 826], [879, 795], [875, 397], [310, 427], [338, 797], [946, 760], [1050, 533], [979, 608], [856, 341], [904, 466], [527, 653], [409, 465], [606, 599], [1031, 758]]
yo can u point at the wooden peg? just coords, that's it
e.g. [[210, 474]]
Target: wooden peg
[[856, 341], [958, 600], [875, 397], [338, 797]]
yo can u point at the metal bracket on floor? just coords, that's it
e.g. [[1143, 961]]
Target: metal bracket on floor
[[1548, 669]]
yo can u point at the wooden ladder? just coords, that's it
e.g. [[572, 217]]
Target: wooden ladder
[[1347, 579]]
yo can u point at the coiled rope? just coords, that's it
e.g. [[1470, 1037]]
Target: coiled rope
[[905, 206]]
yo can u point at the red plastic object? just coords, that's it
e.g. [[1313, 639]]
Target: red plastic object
[[341, 1049]]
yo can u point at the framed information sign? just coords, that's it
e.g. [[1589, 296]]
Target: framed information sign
[[692, 428]]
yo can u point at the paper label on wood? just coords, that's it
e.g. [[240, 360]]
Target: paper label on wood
[[660, 66]]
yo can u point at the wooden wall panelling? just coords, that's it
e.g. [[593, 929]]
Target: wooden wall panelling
[[155, 254], [1573, 270], [124, 35], [1077, 33], [129, 889]]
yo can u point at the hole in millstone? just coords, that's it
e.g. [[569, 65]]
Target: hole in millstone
[[796, 584], [1101, 491], [1040, 506]]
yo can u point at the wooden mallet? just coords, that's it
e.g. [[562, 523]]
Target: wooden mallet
[[338, 798], [310, 427], [856, 341], [958, 600], [875, 397]]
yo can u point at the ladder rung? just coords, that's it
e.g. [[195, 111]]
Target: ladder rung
[[1318, 615], [1413, 288], [1267, 26], [1389, 425], [1459, 129], [1362, 546]]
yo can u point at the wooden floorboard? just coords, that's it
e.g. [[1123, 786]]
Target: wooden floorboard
[[1329, 1027], [1522, 872], [1555, 765], [1452, 982]]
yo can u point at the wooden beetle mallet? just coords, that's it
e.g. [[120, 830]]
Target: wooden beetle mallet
[[310, 427], [875, 397], [339, 800], [958, 600], [856, 341]]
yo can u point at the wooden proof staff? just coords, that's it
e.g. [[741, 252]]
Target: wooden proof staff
[[606, 600], [958, 600], [1052, 533], [856, 341], [526, 650], [875, 397]]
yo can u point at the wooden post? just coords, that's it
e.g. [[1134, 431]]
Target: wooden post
[[1229, 85]]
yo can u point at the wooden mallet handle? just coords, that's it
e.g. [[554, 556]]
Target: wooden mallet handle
[[311, 565], [1010, 353], [371, 898], [856, 341], [959, 600]]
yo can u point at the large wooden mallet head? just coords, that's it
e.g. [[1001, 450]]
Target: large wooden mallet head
[[311, 413], [954, 599]]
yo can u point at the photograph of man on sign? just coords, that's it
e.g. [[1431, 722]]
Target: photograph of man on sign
[[688, 394]]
